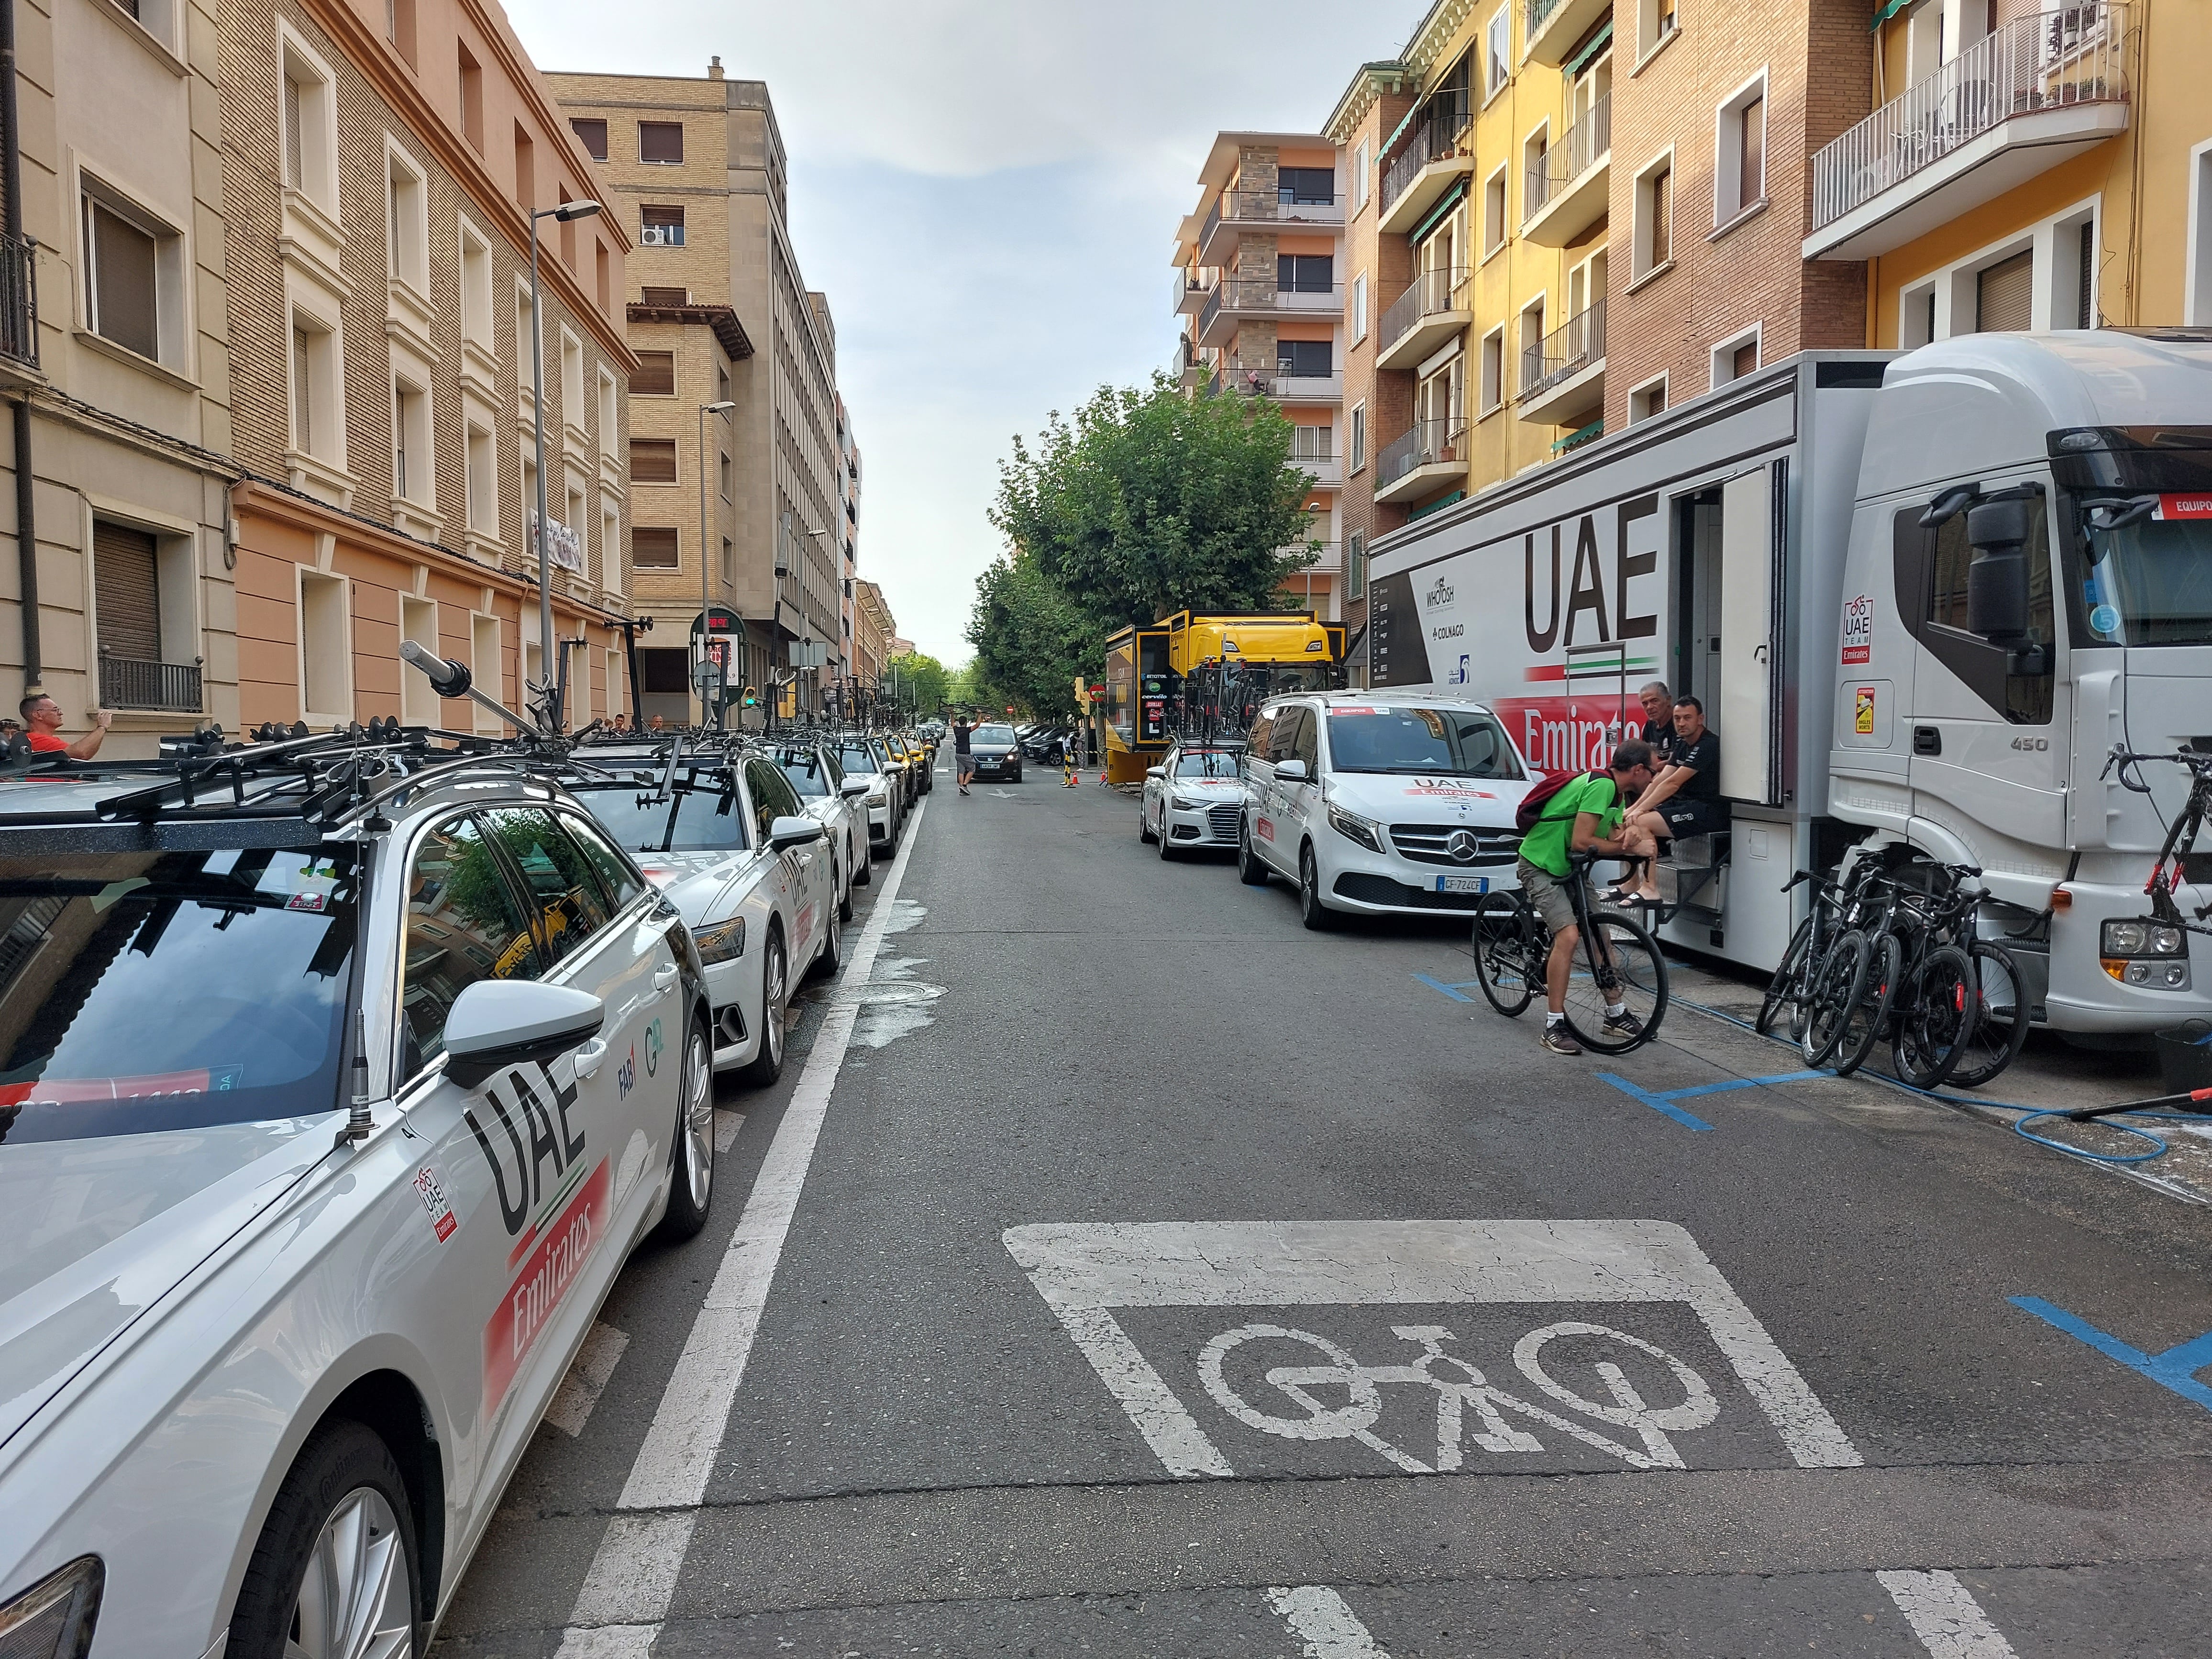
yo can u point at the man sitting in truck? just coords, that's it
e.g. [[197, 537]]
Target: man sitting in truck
[[1685, 797], [1658, 720]]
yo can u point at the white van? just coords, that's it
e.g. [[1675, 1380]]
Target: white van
[[1380, 805]]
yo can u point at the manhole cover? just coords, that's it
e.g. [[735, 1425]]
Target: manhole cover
[[868, 996]]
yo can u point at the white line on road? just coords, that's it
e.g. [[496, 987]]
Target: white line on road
[[1320, 1619], [586, 1379], [633, 1576], [1945, 1616]]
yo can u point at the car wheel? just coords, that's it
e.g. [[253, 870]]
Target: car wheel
[[691, 1178], [335, 1569], [845, 901], [1167, 850], [775, 992], [1143, 825], [1249, 870], [867, 876], [832, 955], [1317, 916]]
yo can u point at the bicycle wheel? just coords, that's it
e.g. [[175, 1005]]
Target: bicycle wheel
[[1506, 964], [1832, 993], [1870, 1016], [1935, 1017], [2000, 1017], [1786, 988], [1615, 959]]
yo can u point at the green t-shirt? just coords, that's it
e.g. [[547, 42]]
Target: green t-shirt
[[1546, 845]]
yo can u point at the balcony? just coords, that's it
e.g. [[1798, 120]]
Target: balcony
[[1564, 374], [1328, 558], [2015, 104], [1231, 301], [168, 687], [1431, 455], [1313, 449], [1234, 212], [1423, 317], [1551, 28], [19, 306], [1186, 296], [1281, 380], [1425, 164], [1567, 194]]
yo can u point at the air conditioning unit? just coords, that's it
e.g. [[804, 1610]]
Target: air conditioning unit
[[661, 236]]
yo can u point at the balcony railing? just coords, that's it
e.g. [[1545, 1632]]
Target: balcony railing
[[1313, 443], [1430, 443], [1534, 16], [1435, 137], [1566, 350], [1429, 296], [1278, 379], [2049, 60], [1328, 556], [1320, 300], [127, 683], [19, 302], [1213, 219], [1578, 148]]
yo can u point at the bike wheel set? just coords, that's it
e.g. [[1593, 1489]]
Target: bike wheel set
[[1508, 964], [1615, 959], [2000, 1017]]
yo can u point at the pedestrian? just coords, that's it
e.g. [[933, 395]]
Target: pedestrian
[[42, 719], [659, 723], [1067, 759], [963, 764]]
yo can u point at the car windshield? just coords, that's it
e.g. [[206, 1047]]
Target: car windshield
[[858, 758], [704, 819], [141, 992], [992, 734], [1206, 764], [2151, 584], [1455, 743], [807, 774]]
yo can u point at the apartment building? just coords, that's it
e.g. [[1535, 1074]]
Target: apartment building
[[1259, 281], [381, 168], [114, 357], [874, 628], [697, 169], [849, 491]]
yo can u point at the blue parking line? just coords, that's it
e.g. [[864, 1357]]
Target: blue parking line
[[2175, 1369], [1743, 1083], [1656, 1102], [1451, 990]]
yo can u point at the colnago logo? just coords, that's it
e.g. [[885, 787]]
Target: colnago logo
[[1440, 597], [1450, 633]]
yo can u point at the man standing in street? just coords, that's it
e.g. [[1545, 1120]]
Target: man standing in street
[[963, 764], [42, 719]]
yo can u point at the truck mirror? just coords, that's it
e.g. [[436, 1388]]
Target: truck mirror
[[1997, 580], [1949, 504]]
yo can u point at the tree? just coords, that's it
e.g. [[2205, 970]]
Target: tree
[[921, 681], [1031, 640], [1151, 501]]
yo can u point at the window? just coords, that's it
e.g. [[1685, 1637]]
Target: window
[[665, 296], [622, 883], [1493, 213], [603, 276], [610, 412], [728, 495], [572, 380], [1536, 183], [729, 562], [316, 427], [1493, 370], [1647, 400], [486, 669], [407, 222], [414, 458], [1655, 22], [1307, 359], [471, 100], [655, 376], [325, 648], [653, 547], [418, 623], [610, 548], [1740, 146], [772, 794], [660, 141], [1358, 431], [563, 887], [399, 26], [2197, 303], [2004, 294], [1655, 216], [1359, 307], [482, 467], [1733, 359], [1305, 186], [526, 169], [1355, 565], [124, 262], [526, 344], [660, 227], [1499, 40], [1532, 344], [1751, 128], [310, 124], [592, 135], [1363, 169], [1304, 273], [476, 285], [464, 923], [126, 586]]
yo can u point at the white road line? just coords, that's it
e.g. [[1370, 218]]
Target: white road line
[[586, 1379], [1329, 1629], [632, 1576], [726, 1125], [1945, 1616]]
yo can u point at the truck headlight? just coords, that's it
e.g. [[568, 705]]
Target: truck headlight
[[2145, 952], [2142, 937], [53, 1618], [722, 941], [1365, 832]]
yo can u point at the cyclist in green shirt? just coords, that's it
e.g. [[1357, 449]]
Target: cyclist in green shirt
[[1583, 817]]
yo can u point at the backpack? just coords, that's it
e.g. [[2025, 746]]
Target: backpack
[[1533, 803]]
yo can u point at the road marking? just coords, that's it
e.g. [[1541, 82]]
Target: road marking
[[1451, 990], [1945, 1616], [2176, 1368], [1663, 1100], [1318, 1616], [633, 1575], [726, 1125], [1656, 1102], [586, 1380], [1086, 1270]]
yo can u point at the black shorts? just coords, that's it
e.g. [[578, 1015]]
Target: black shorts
[[1693, 817]]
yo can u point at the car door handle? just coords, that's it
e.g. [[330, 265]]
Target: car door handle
[[665, 977], [589, 1056]]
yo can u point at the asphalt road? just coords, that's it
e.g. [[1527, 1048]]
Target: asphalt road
[[1120, 1269]]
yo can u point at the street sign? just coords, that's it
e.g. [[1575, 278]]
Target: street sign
[[707, 677], [719, 619]]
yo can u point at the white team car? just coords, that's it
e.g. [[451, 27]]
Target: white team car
[[828, 796], [326, 1127], [1193, 798], [727, 843], [863, 760], [1377, 803]]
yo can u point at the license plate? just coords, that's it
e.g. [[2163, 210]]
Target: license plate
[[1463, 883]]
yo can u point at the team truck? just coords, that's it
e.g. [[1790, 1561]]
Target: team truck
[[1203, 678], [1923, 598]]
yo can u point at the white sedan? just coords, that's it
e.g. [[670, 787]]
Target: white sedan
[[828, 796], [1193, 798]]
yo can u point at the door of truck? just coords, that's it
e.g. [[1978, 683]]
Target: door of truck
[[1728, 648]]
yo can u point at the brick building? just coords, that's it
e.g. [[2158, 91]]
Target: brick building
[[380, 165]]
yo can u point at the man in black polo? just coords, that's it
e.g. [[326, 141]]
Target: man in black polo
[[1658, 720], [1685, 799]]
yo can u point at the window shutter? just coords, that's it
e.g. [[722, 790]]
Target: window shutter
[[655, 376], [660, 141], [123, 283], [2005, 294], [126, 587], [665, 296], [593, 136], [653, 547], [653, 460]]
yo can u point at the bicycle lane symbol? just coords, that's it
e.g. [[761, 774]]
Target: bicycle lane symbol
[[1088, 1273]]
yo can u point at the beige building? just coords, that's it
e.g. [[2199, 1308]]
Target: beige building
[[874, 628], [114, 355], [696, 170]]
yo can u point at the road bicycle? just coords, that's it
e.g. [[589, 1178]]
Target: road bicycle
[[1615, 959]]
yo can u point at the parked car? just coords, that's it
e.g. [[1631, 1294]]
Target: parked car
[[1378, 804], [813, 771], [1042, 745], [329, 1125], [1193, 798], [883, 802], [995, 752]]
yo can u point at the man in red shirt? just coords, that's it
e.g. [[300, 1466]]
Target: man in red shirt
[[42, 723]]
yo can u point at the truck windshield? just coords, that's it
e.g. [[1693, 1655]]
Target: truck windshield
[[2150, 584], [1457, 743], [706, 819], [145, 992]]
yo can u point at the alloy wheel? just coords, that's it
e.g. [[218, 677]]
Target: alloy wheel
[[699, 1117], [356, 1602]]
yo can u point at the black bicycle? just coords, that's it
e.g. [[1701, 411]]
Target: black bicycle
[[1617, 962]]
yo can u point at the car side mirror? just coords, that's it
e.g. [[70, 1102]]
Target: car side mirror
[[1291, 771], [1997, 580], [784, 834], [1155, 771], [853, 788], [495, 1024]]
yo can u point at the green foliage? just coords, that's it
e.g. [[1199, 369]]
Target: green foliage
[[1031, 640], [921, 681]]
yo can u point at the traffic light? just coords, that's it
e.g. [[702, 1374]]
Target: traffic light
[[753, 698]]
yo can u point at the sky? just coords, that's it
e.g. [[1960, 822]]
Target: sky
[[988, 190]]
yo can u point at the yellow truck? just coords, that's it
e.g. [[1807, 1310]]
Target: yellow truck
[[1202, 677]]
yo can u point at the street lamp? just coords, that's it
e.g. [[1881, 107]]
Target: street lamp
[[566, 213], [705, 603]]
